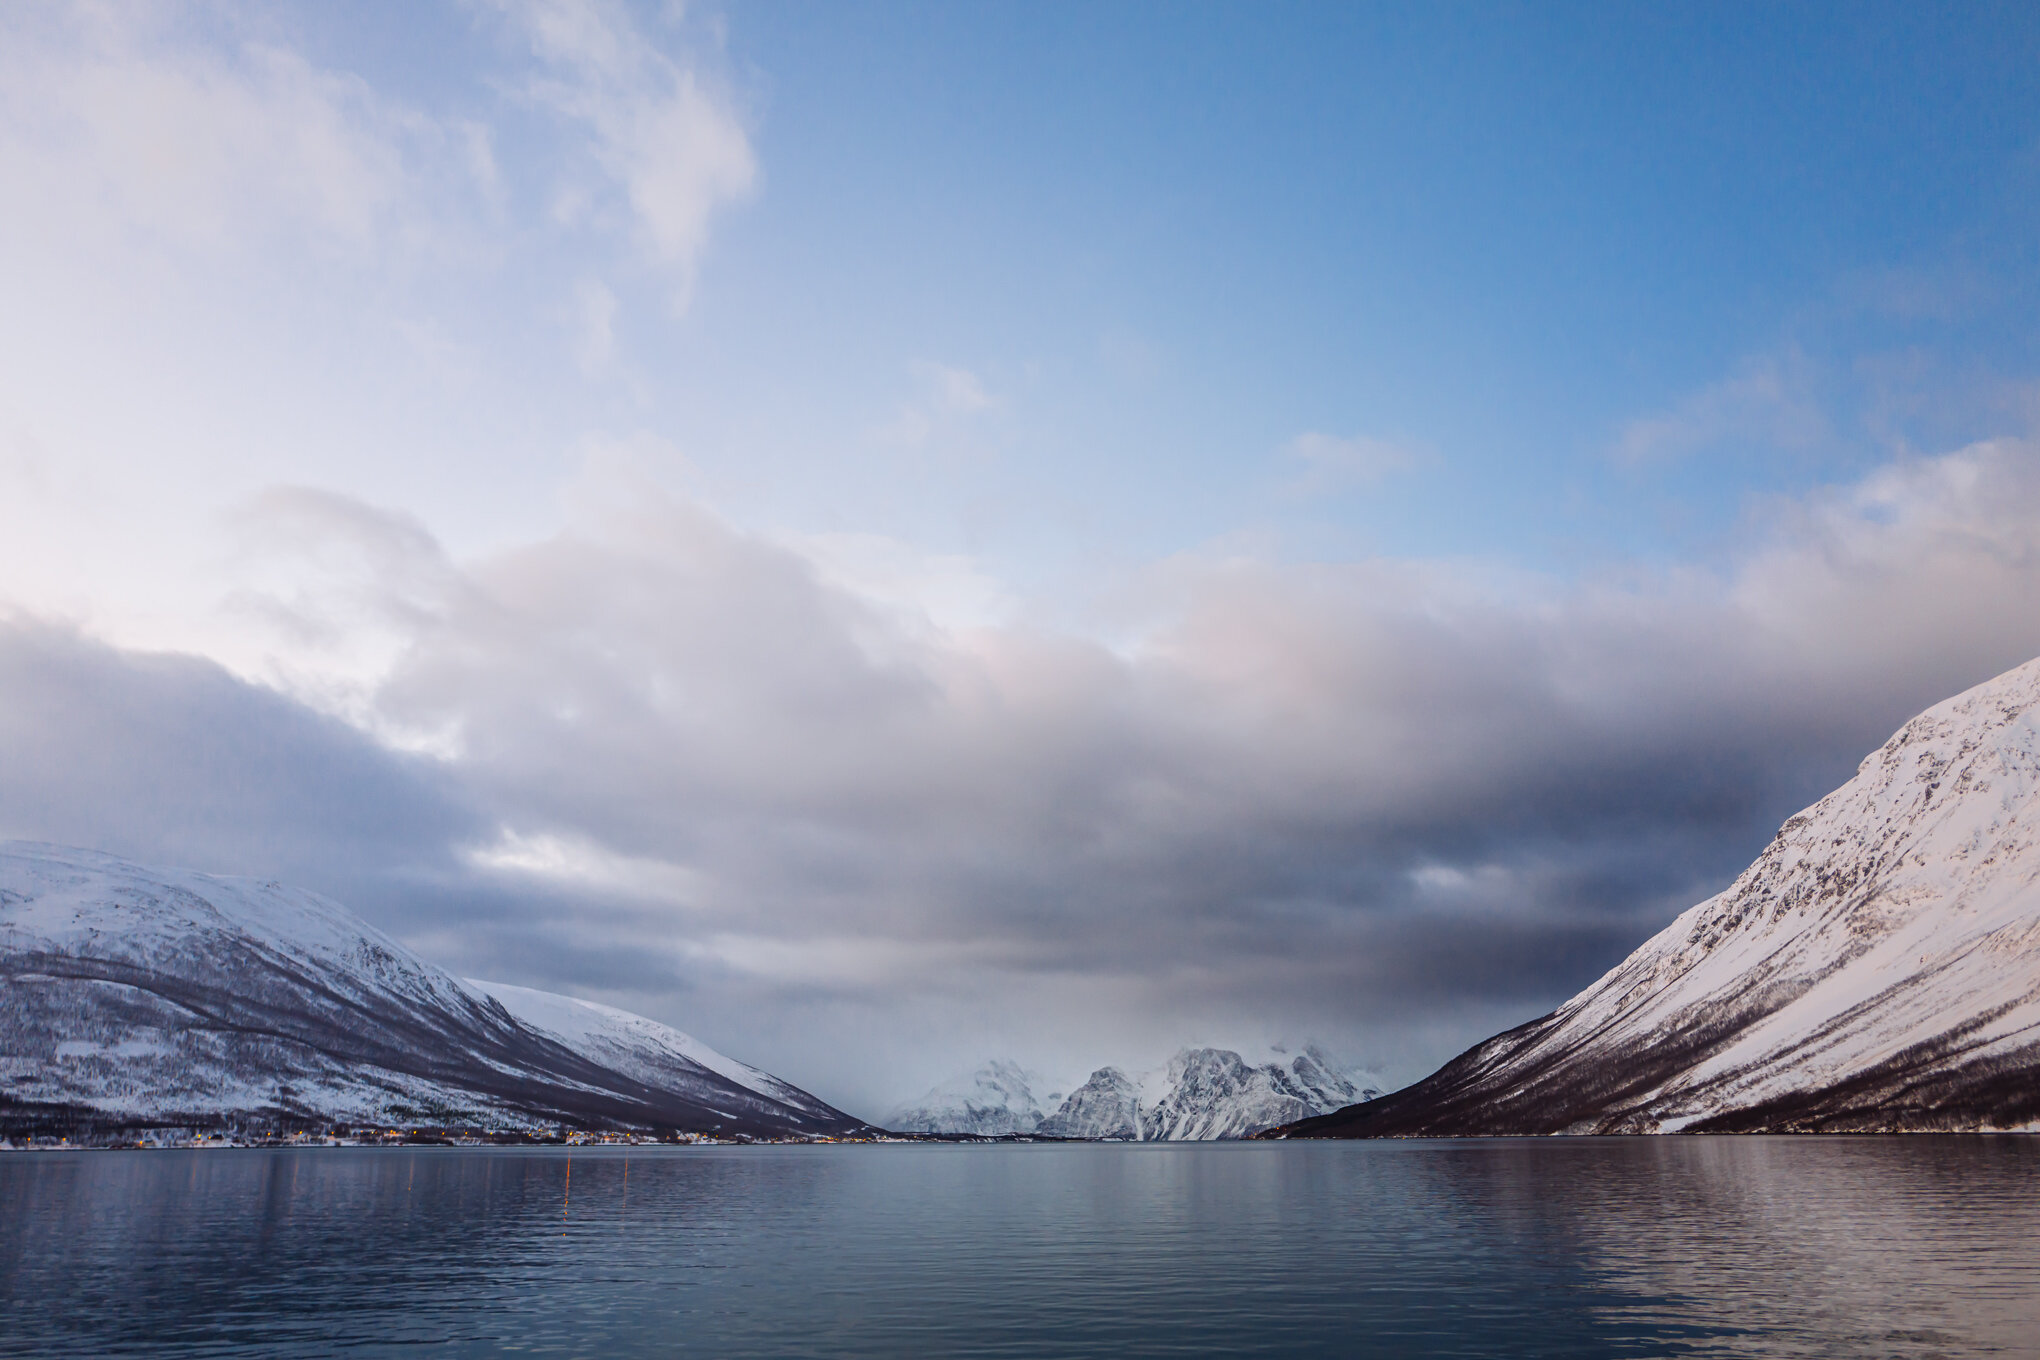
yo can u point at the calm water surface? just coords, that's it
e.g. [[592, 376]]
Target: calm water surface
[[1624, 1247]]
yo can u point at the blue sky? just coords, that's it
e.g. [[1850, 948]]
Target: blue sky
[[1167, 241], [894, 521], [1163, 243], [1497, 235]]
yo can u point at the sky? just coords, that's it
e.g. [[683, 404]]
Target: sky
[[892, 535]]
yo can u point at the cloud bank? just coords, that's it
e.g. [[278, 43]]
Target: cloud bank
[[1395, 803]]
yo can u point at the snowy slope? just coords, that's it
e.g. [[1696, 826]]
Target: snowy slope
[[1877, 967], [998, 1098], [134, 995], [644, 1050], [1204, 1094]]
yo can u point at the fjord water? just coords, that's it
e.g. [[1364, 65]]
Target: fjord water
[[1877, 1246]]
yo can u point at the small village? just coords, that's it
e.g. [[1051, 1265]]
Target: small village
[[381, 1137]]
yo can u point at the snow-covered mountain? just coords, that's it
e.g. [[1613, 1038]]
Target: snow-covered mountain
[[998, 1098], [646, 1051], [142, 996], [1105, 1107], [1877, 968], [1206, 1093]]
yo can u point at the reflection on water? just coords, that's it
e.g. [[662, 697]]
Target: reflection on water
[[1621, 1247]]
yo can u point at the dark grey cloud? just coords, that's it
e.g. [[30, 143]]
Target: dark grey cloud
[[1393, 804], [172, 760], [1353, 798]]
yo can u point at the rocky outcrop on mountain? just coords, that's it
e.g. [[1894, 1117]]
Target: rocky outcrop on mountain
[[137, 997], [997, 1099], [1105, 1107], [1877, 968], [1204, 1094], [1210, 1093]]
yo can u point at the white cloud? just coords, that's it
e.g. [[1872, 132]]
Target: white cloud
[[1332, 462], [580, 863], [947, 398], [945, 591], [1769, 401], [664, 136], [229, 262], [955, 390], [110, 119], [733, 779], [647, 683], [329, 593]]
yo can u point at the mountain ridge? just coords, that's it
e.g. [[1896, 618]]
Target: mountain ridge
[[1204, 1094], [993, 1100], [136, 996], [1876, 968]]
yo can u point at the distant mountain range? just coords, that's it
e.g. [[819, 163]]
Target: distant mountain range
[[133, 997], [998, 1099], [1201, 1094], [1876, 969]]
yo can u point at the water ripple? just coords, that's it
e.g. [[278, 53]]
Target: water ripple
[[1898, 1247]]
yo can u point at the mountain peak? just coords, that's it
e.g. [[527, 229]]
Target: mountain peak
[[999, 1097], [1204, 1093]]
